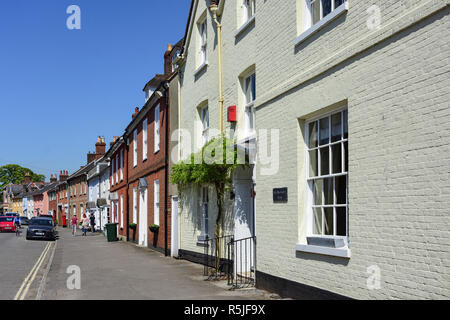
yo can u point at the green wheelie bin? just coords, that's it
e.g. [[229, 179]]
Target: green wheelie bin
[[111, 232]]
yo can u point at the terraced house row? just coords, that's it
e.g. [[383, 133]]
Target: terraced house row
[[342, 109]]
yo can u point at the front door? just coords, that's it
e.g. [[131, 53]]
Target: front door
[[174, 235], [143, 217]]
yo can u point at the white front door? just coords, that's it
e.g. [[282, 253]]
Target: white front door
[[143, 224], [174, 235]]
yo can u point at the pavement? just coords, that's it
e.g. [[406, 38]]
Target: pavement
[[124, 271]]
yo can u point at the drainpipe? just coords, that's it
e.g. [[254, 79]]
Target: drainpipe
[[166, 169], [126, 149], [214, 8]]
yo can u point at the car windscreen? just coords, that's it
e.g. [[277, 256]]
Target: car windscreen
[[6, 219], [41, 222]]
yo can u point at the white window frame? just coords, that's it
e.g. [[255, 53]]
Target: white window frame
[[112, 170], [203, 41], [249, 105], [135, 199], [121, 211], [248, 10], [204, 119], [117, 168], [309, 27], [157, 128], [121, 164], [144, 139], [156, 202], [135, 148], [310, 179]]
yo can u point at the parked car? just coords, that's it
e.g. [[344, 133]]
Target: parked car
[[45, 216], [7, 224], [11, 214], [41, 228], [24, 221]]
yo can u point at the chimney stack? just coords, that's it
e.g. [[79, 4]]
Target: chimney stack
[[168, 61], [53, 178], [63, 175], [100, 147], [136, 111], [27, 179]]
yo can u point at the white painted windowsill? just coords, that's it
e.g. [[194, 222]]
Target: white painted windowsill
[[337, 252], [200, 68], [319, 25], [244, 26]]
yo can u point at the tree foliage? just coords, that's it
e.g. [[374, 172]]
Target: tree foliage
[[15, 174]]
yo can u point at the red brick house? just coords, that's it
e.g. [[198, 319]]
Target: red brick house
[[61, 199], [147, 158], [117, 155]]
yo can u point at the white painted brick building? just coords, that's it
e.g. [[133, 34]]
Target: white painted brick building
[[392, 79]]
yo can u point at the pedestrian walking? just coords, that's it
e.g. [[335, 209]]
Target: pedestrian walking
[[84, 224], [92, 219], [74, 225]]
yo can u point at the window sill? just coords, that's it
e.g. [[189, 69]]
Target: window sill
[[319, 25], [244, 26], [336, 252], [200, 69]]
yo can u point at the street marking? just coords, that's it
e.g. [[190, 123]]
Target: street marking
[[33, 272], [44, 278]]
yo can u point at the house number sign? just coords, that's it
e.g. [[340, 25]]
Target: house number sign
[[280, 195]]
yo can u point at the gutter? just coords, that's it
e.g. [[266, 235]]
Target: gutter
[[166, 174]]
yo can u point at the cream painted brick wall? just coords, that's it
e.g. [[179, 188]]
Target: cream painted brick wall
[[397, 93], [398, 97]]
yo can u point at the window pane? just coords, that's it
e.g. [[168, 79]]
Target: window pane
[[313, 164], [328, 191], [253, 81], [324, 161], [328, 221], [346, 156], [326, 7], [341, 221], [341, 190], [324, 131], [337, 3], [345, 121], [317, 191], [337, 158], [315, 11], [247, 91], [317, 224], [313, 134], [336, 127]]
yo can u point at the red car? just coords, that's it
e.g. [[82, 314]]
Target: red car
[[7, 224]]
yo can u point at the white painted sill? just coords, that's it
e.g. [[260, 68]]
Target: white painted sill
[[336, 252], [244, 26], [200, 68], [319, 25]]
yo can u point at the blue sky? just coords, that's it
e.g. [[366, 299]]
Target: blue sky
[[61, 88]]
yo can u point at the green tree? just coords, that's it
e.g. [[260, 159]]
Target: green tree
[[213, 165], [13, 173]]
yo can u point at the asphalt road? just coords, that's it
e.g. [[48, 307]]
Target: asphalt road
[[18, 256]]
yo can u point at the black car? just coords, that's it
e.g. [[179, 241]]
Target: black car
[[41, 228], [24, 221]]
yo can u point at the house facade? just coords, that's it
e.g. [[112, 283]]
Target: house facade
[[147, 135], [62, 199], [98, 193], [336, 191]]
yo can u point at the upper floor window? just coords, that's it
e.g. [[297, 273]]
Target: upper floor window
[[319, 9], [327, 172], [204, 118], [249, 90], [144, 140], [203, 41], [157, 127], [135, 148], [248, 10], [121, 164]]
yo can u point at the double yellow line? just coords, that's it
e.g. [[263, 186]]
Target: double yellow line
[[21, 294]]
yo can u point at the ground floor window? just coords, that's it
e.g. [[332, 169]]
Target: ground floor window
[[327, 172]]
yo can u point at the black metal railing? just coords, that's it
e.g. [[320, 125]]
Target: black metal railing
[[243, 253], [218, 263]]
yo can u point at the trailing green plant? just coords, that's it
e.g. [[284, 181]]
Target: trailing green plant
[[132, 225], [213, 165]]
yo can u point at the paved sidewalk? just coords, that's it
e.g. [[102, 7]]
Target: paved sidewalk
[[122, 271]]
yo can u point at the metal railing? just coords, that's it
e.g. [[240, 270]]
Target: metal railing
[[218, 261], [243, 252]]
